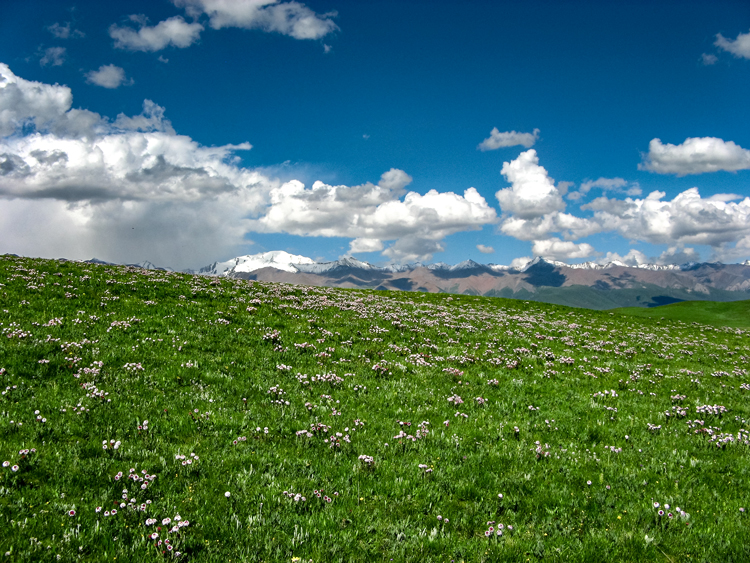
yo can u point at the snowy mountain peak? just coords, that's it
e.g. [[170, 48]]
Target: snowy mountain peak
[[345, 262], [396, 268], [241, 264], [466, 265], [542, 260], [301, 264], [588, 266]]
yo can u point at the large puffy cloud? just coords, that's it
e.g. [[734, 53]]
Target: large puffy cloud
[[116, 189], [687, 219], [534, 211], [174, 31], [288, 18], [534, 207], [373, 213], [124, 185], [126, 196], [739, 47], [124, 165], [532, 192], [76, 155], [539, 228], [25, 102], [365, 245], [695, 156], [498, 140]]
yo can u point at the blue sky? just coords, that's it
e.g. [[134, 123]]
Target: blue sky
[[391, 131]]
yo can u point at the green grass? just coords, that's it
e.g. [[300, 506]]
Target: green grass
[[645, 295], [567, 432], [734, 314]]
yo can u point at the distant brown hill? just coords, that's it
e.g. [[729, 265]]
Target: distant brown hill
[[591, 286]]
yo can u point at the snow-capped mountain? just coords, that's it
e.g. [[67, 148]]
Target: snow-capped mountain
[[292, 263], [323, 267], [243, 264], [590, 284]]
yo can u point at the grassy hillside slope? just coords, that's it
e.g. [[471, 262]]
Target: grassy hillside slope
[[644, 296], [734, 314], [152, 415]]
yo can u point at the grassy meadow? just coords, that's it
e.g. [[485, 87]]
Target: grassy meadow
[[150, 416], [736, 314]]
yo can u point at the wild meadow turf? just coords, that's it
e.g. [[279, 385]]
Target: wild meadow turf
[[734, 314], [145, 414]]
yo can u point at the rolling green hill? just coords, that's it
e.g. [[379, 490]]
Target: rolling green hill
[[643, 296], [734, 314]]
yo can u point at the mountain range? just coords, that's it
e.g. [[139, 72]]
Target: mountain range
[[590, 285]]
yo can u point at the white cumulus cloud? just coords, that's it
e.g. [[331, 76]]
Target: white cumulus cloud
[[485, 249], [131, 184], [27, 102], [124, 165], [376, 212], [687, 219], [499, 139], [739, 47], [116, 188], [532, 192], [539, 228], [695, 156], [174, 31], [288, 18], [365, 245], [678, 255], [534, 209], [108, 76], [557, 249]]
